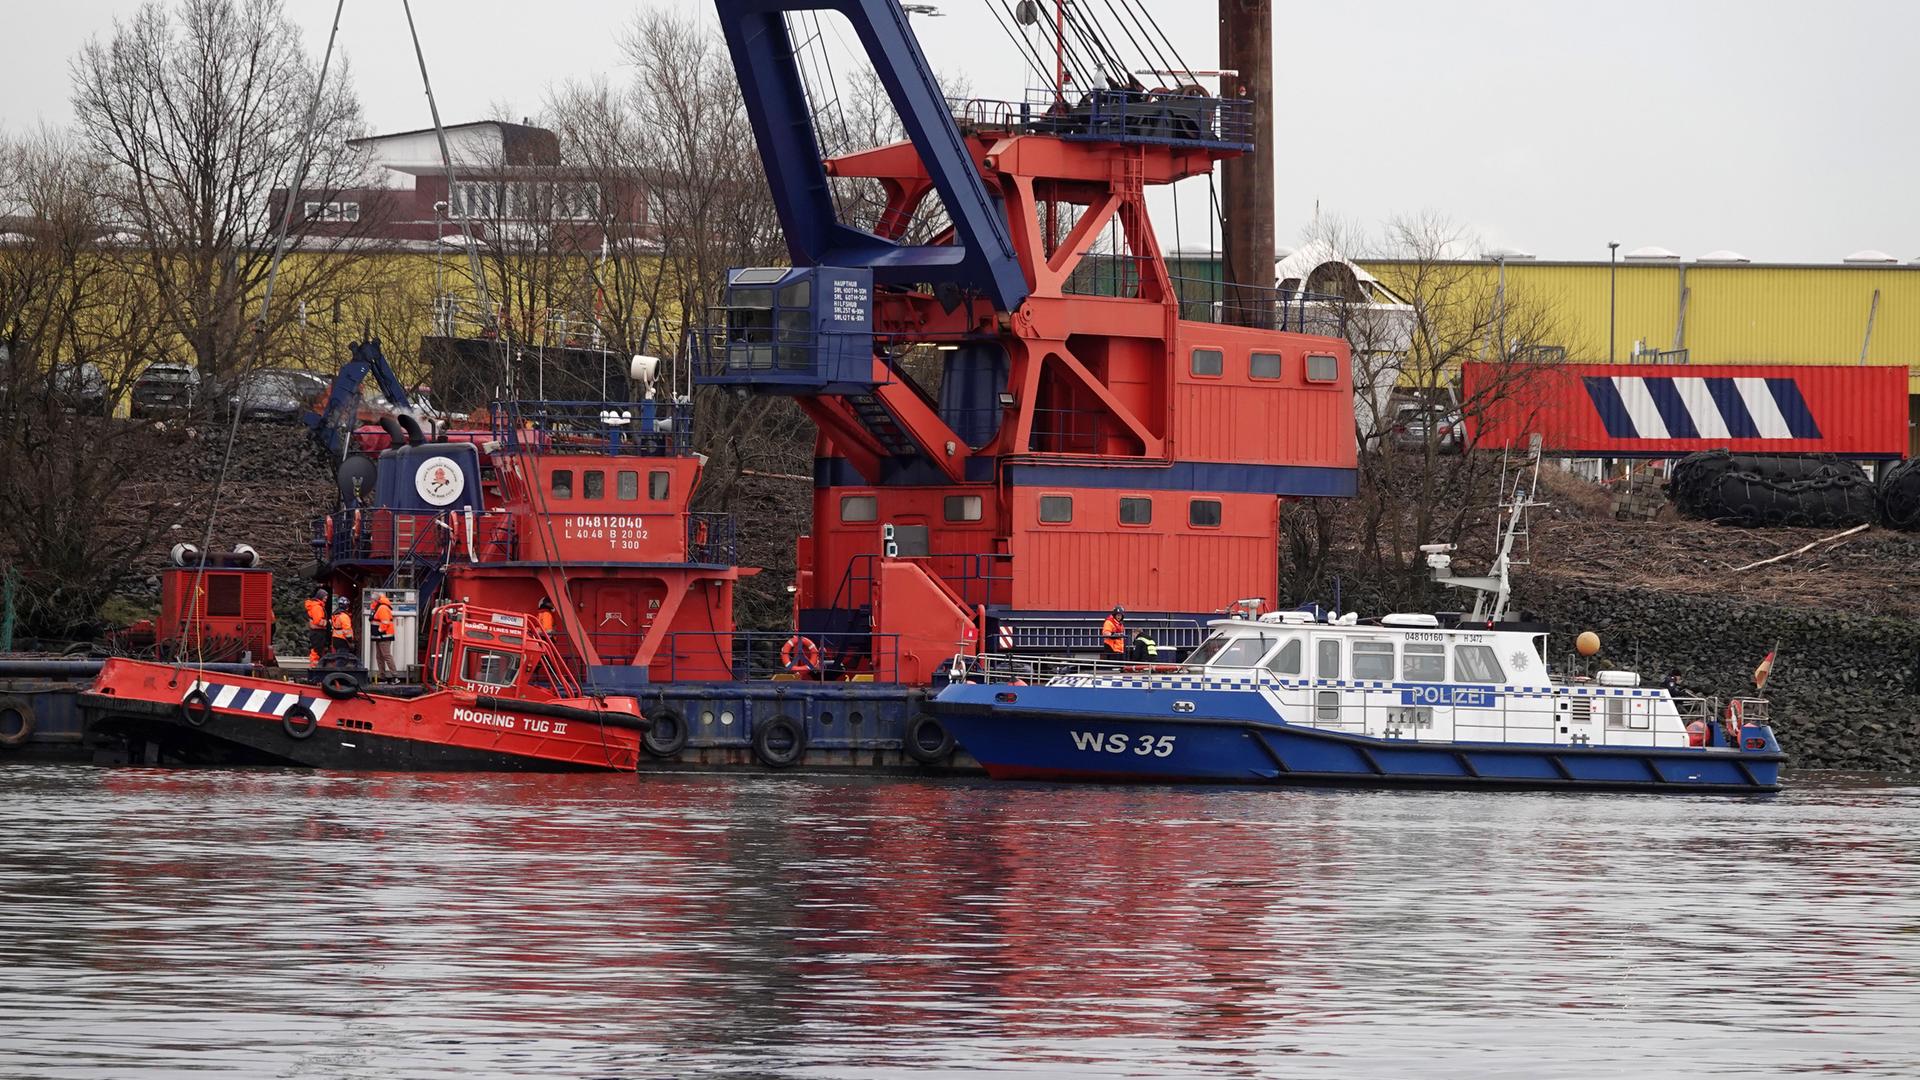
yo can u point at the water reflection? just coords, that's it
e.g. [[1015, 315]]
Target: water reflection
[[270, 922]]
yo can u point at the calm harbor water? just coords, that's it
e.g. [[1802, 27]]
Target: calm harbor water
[[294, 924]]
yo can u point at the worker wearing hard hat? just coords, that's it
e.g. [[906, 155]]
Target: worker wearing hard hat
[[342, 626], [316, 625], [1113, 634]]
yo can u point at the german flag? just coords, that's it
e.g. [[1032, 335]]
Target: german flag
[[1765, 669]]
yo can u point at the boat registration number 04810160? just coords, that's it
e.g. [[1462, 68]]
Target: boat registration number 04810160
[[1122, 743]]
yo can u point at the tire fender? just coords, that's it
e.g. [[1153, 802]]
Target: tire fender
[[299, 722], [779, 742], [23, 708], [927, 740], [339, 684], [668, 735], [196, 709]]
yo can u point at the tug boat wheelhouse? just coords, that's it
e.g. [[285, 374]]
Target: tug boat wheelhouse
[[1282, 698]]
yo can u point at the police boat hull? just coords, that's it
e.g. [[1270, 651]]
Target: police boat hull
[[1112, 735]]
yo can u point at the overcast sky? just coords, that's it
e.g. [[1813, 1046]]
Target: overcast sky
[[1785, 131]]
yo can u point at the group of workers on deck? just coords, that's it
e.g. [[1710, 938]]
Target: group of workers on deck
[[327, 635], [1113, 639]]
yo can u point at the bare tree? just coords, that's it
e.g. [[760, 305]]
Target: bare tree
[[1432, 309], [75, 316], [198, 109]]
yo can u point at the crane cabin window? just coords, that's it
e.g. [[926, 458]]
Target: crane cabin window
[[1323, 369], [1056, 509], [1264, 365], [658, 482], [562, 486], [1136, 510], [1209, 363], [593, 484], [964, 507], [1204, 513], [857, 508]]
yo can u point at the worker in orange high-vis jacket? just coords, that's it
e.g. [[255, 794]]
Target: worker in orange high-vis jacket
[[1113, 634], [544, 616], [342, 626], [316, 625], [382, 636]]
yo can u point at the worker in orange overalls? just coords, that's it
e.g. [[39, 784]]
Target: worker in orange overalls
[[316, 625], [382, 636], [544, 616], [342, 627], [1113, 634]]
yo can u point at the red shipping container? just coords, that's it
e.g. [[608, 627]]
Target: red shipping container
[[1666, 410]]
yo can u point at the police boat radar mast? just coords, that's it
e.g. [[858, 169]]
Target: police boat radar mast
[[1494, 590]]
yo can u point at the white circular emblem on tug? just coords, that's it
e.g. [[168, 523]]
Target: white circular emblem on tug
[[439, 481]]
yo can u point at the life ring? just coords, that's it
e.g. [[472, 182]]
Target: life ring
[[805, 648], [667, 736], [927, 751], [196, 709], [340, 684], [1734, 721], [779, 742], [21, 707], [292, 721]]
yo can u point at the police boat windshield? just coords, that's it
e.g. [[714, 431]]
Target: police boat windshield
[[1232, 649]]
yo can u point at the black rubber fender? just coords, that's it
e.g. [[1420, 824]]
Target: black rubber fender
[[668, 734], [921, 748], [779, 742], [299, 722], [196, 708], [340, 684], [15, 705]]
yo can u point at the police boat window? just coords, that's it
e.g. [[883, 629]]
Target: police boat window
[[659, 481], [1287, 660], [1326, 658], [859, 508], [1204, 653], [1136, 510], [563, 483], [593, 484], [963, 507], [1616, 712], [1477, 663], [1373, 660], [490, 668], [1264, 365], [1244, 651], [1208, 362], [1056, 509], [1422, 661], [629, 485]]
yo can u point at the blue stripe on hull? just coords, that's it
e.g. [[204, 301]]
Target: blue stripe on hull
[[1028, 744]]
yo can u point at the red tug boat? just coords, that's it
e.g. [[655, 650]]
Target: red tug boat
[[496, 697]]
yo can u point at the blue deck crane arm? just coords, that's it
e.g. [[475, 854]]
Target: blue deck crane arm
[[981, 258], [331, 423]]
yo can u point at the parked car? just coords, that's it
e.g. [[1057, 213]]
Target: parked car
[[1413, 425], [165, 389], [81, 388], [276, 394]]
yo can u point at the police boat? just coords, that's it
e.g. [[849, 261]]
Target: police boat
[[1406, 700]]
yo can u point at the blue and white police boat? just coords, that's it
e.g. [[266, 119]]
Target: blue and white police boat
[[1405, 700]]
